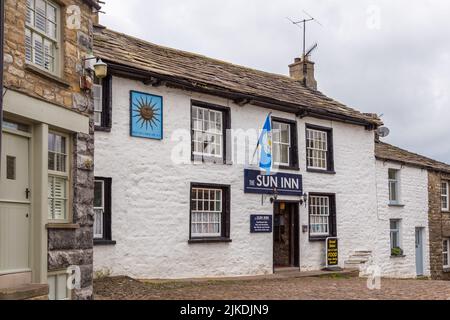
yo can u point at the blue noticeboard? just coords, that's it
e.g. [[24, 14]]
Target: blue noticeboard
[[281, 183], [261, 224]]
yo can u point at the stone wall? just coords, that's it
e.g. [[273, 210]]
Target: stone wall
[[64, 89], [73, 245], [439, 226]]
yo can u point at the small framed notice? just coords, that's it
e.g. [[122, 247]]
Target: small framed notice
[[261, 224]]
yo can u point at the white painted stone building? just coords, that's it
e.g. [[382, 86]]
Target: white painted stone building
[[402, 196], [148, 190]]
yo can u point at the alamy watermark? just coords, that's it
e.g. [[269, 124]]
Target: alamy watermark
[[373, 21]]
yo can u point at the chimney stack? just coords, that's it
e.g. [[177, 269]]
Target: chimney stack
[[302, 67]]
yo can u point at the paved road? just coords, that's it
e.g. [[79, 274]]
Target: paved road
[[322, 288]]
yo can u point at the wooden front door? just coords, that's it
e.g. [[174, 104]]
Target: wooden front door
[[286, 235], [14, 205]]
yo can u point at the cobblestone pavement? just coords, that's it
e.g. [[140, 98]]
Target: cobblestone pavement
[[314, 288]]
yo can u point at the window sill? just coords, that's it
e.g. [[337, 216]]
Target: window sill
[[288, 168], [45, 74], [210, 160], [318, 239], [212, 240], [396, 205], [104, 243], [102, 129], [62, 226], [331, 172], [398, 257]]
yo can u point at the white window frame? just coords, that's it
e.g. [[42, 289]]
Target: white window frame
[[101, 211], [279, 143], [205, 132], [66, 176], [445, 196], [446, 252], [30, 28], [57, 276], [98, 104], [316, 154], [395, 232], [209, 212], [396, 184], [319, 215]]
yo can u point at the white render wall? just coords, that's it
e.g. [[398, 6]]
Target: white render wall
[[414, 214], [150, 194]]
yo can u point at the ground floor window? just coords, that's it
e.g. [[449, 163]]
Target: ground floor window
[[210, 214], [395, 226], [58, 288], [322, 216], [58, 177], [446, 253], [102, 209]]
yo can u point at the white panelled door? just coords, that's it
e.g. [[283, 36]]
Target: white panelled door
[[14, 205]]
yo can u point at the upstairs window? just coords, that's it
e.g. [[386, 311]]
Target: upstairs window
[[284, 137], [319, 149], [209, 125], [41, 34], [394, 186], [102, 93], [445, 196]]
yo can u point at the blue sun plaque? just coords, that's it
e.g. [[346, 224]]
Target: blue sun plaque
[[146, 115]]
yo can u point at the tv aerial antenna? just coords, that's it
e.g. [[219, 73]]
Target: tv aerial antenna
[[302, 25]]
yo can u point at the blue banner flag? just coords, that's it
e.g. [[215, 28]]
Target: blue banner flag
[[265, 141]]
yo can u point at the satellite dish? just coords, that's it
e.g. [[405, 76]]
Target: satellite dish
[[383, 132]]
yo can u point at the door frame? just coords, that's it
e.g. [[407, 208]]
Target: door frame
[[294, 243]]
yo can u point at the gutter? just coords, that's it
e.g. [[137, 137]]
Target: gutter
[[2, 34], [299, 110]]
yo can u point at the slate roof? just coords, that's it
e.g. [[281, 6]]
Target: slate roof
[[93, 3], [385, 151], [122, 49]]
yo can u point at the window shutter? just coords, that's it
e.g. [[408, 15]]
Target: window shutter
[[59, 189], [38, 50]]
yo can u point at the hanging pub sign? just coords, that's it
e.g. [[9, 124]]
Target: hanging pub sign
[[281, 183], [261, 224], [146, 115], [332, 252]]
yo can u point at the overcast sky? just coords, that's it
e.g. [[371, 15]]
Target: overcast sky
[[386, 57]]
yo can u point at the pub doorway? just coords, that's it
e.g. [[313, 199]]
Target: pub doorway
[[286, 242]]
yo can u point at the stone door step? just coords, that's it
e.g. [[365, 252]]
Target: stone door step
[[25, 292]]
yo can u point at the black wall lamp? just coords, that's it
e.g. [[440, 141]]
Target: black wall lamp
[[304, 199]]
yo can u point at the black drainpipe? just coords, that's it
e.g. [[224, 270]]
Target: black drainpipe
[[2, 34]]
